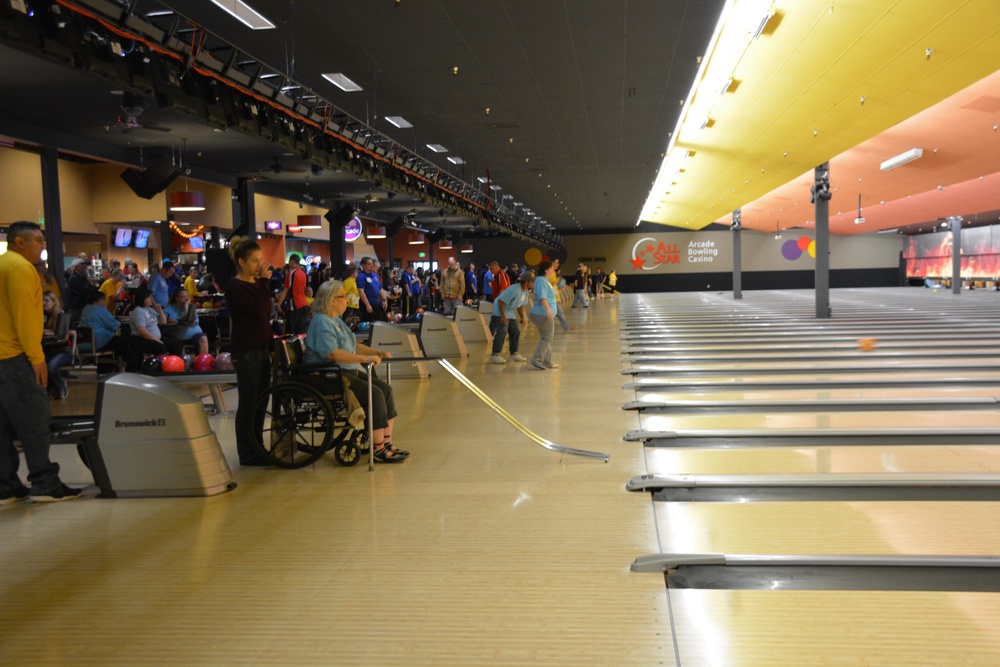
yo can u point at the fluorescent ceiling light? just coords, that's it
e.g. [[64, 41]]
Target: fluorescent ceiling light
[[437, 148], [342, 82], [244, 13], [456, 160], [483, 179], [399, 122], [159, 12], [901, 159], [495, 187]]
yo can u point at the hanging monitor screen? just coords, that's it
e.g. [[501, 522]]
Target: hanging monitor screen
[[141, 238], [123, 237]]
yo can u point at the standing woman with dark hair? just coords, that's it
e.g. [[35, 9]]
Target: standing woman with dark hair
[[249, 297]]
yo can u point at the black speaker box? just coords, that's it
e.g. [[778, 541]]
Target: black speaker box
[[339, 219], [153, 180]]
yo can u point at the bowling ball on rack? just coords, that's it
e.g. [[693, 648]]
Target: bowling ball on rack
[[418, 317], [224, 362], [364, 326], [161, 357], [150, 365], [397, 318], [867, 344], [204, 362], [188, 361], [420, 311], [172, 364]]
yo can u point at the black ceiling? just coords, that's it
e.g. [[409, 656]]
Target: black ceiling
[[582, 95]]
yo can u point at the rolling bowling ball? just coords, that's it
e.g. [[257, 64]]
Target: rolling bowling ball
[[224, 362], [204, 362], [172, 364], [867, 344], [364, 326], [150, 365], [420, 311], [188, 361]]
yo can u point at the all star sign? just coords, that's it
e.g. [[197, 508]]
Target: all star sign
[[352, 231]]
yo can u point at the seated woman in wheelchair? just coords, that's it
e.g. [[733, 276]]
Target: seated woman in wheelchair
[[330, 339]]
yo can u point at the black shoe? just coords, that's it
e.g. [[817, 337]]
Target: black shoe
[[62, 492], [384, 455], [15, 496]]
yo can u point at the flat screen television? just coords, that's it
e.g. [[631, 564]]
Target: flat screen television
[[197, 242], [123, 237], [141, 238], [272, 225]]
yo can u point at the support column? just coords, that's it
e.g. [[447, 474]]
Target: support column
[[821, 199], [52, 212], [956, 254], [247, 208], [737, 254]]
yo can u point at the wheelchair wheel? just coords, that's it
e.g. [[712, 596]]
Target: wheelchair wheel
[[360, 440], [346, 454], [298, 425]]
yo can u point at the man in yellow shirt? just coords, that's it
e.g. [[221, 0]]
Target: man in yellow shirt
[[24, 403]]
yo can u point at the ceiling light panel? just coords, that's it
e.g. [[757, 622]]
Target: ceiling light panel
[[244, 13], [342, 82], [399, 122], [437, 148]]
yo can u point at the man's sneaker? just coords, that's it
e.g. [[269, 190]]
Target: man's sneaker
[[15, 496], [497, 359], [63, 492], [539, 365], [553, 366], [517, 356]]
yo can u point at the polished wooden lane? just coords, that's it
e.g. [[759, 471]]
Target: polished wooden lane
[[482, 549]]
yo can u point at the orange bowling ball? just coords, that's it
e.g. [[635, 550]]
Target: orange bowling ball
[[867, 344]]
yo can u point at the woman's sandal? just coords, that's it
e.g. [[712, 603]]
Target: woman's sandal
[[386, 455]]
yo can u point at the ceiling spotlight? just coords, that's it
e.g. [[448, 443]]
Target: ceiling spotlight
[[487, 110], [454, 70]]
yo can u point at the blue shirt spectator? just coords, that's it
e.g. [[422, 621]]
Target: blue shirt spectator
[[178, 312], [369, 283], [488, 284], [104, 324], [325, 335], [161, 291]]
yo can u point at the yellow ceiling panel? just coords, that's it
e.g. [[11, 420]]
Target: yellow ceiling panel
[[799, 89]]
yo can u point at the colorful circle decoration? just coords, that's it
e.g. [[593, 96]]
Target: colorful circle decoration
[[793, 249], [532, 256]]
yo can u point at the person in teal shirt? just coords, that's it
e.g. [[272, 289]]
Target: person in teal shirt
[[542, 315], [329, 339]]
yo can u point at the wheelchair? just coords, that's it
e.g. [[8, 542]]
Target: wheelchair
[[304, 412]]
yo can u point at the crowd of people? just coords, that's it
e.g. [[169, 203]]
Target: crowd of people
[[134, 315]]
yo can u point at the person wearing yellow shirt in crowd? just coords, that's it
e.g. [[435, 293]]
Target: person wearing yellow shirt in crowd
[[191, 282], [24, 403], [48, 280], [353, 298], [111, 288]]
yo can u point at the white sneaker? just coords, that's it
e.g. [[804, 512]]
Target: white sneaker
[[553, 365], [497, 359], [517, 356]]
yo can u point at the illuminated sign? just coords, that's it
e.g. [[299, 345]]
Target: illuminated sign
[[292, 229], [272, 225], [352, 231]]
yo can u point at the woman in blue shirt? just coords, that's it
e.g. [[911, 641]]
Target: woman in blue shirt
[[542, 315], [187, 330], [330, 339], [106, 327]]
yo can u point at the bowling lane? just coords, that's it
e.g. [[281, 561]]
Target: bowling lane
[[819, 424], [726, 394]]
